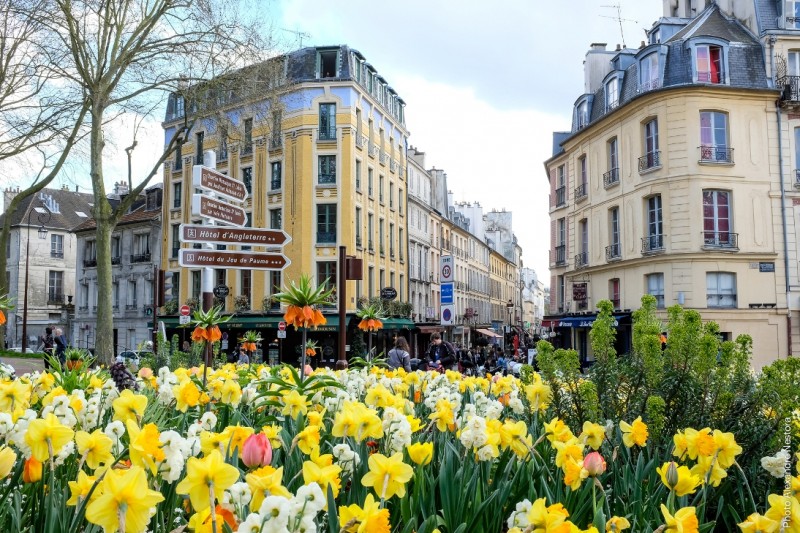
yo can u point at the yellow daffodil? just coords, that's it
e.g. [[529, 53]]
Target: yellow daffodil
[[556, 430], [126, 502], [679, 478], [273, 433], [756, 523], [205, 477], [541, 519], [726, 448], [421, 452], [145, 446], [539, 394], [80, 488], [186, 395], [699, 443], [230, 393], [264, 482], [47, 436], [707, 467], [681, 445], [15, 396], [574, 473], [308, 439], [7, 461], [387, 475], [324, 476], [571, 449], [635, 433], [129, 406], [684, 520], [233, 438], [367, 519], [294, 404], [94, 448], [782, 508], [592, 435], [616, 524], [444, 416], [514, 435]]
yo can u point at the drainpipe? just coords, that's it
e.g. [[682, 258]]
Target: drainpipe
[[783, 204]]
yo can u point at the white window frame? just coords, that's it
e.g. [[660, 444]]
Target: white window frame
[[655, 287], [721, 290]]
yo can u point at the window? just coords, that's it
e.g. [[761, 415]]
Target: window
[[358, 227], [717, 220], [391, 195], [176, 240], [612, 94], [649, 75], [247, 147], [714, 137], [721, 289], [326, 223], [275, 219], [358, 175], [612, 176], [369, 182], [115, 295], [179, 156], [131, 301], [655, 225], [371, 282], [380, 189], [326, 274], [614, 249], [328, 63], [198, 149], [275, 285], [370, 228], [247, 179], [90, 253], [400, 201], [793, 14], [327, 122], [582, 113], [56, 245], [708, 64], [220, 277], [223, 144], [613, 293], [391, 240], [400, 242], [327, 169], [381, 278], [582, 259], [582, 189], [561, 242], [797, 157], [561, 185], [651, 158], [246, 284], [561, 294], [275, 180], [55, 286], [793, 66], [381, 239], [655, 287], [141, 248], [177, 195]]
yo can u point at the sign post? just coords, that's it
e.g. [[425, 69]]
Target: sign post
[[446, 300]]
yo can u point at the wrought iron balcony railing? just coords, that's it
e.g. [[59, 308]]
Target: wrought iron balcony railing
[[580, 192], [561, 196], [58, 254], [720, 239], [275, 142], [611, 178], [360, 140], [116, 260], [327, 134], [716, 154], [274, 185], [613, 252], [140, 258], [175, 253], [790, 88], [56, 298], [711, 77], [394, 166], [653, 243], [650, 160], [222, 154], [89, 263], [561, 255], [581, 259], [247, 148]]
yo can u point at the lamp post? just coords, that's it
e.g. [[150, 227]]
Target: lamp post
[[509, 307], [44, 218]]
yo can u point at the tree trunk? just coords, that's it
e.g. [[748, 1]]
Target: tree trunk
[[103, 215]]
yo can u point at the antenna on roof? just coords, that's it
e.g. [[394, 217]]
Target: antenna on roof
[[619, 20], [300, 35]]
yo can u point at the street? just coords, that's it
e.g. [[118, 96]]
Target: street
[[24, 366]]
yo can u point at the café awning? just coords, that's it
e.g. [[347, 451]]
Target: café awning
[[576, 321], [488, 333]]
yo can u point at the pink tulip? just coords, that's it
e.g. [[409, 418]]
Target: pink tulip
[[256, 451], [307, 371], [594, 464]]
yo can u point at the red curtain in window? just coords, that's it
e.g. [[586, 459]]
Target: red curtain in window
[[716, 64]]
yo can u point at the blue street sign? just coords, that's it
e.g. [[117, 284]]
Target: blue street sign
[[447, 293]]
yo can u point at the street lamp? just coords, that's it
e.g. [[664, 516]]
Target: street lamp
[[509, 307], [44, 218]]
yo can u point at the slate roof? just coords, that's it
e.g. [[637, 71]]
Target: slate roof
[[712, 23], [69, 204], [138, 213], [767, 15]]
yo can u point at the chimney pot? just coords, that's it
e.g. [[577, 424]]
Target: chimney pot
[[618, 47]]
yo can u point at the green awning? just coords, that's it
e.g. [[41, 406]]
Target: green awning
[[257, 322], [398, 323]]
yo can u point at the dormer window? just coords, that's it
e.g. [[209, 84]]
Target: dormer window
[[649, 74], [583, 114], [708, 64], [612, 94], [328, 63]]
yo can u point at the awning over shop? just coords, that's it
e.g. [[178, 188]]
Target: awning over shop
[[430, 329], [576, 321], [398, 323], [258, 322], [488, 333]]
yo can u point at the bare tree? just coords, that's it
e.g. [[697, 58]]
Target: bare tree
[[126, 54], [40, 119]]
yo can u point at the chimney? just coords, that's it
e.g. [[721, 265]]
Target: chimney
[[121, 188], [9, 195], [595, 67]]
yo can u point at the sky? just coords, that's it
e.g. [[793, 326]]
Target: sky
[[485, 83]]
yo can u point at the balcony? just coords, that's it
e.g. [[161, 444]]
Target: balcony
[[613, 252], [360, 140], [650, 85], [650, 161], [720, 239], [140, 258], [394, 166], [581, 259], [116, 260], [130, 307], [373, 149], [275, 142], [561, 255], [326, 237], [58, 254], [326, 134], [327, 178], [90, 263], [384, 158], [716, 154], [247, 148], [358, 241], [222, 154], [611, 178], [56, 298], [581, 192], [83, 308], [653, 244], [561, 196]]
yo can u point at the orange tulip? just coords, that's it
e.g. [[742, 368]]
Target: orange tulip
[[199, 334], [2, 318], [32, 472], [311, 351], [213, 334]]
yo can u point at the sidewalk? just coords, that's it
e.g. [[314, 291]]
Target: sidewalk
[[22, 365]]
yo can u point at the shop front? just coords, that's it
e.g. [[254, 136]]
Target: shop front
[[572, 332]]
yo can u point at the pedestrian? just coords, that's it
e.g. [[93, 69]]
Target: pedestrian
[[441, 354], [60, 345], [244, 359], [399, 356], [47, 346]]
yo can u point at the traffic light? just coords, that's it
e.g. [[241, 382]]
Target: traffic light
[[164, 292]]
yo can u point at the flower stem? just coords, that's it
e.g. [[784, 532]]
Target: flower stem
[[213, 510]]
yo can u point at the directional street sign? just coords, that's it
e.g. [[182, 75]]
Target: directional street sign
[[215, 181], [188, 257], [229, 235], [206, 206]]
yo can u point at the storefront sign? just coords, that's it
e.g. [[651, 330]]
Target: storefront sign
[[579, 292]]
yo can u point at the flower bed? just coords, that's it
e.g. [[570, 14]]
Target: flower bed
[[369, 450]]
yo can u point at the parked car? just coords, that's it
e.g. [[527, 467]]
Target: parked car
[[132, 357]]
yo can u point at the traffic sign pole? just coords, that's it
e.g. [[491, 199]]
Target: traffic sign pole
[[207, 277]]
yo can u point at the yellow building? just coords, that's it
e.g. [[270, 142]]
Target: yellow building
[[668, 184], [326, 164]]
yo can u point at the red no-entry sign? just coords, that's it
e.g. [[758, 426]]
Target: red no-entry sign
[[185, 310], [281, 326]]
